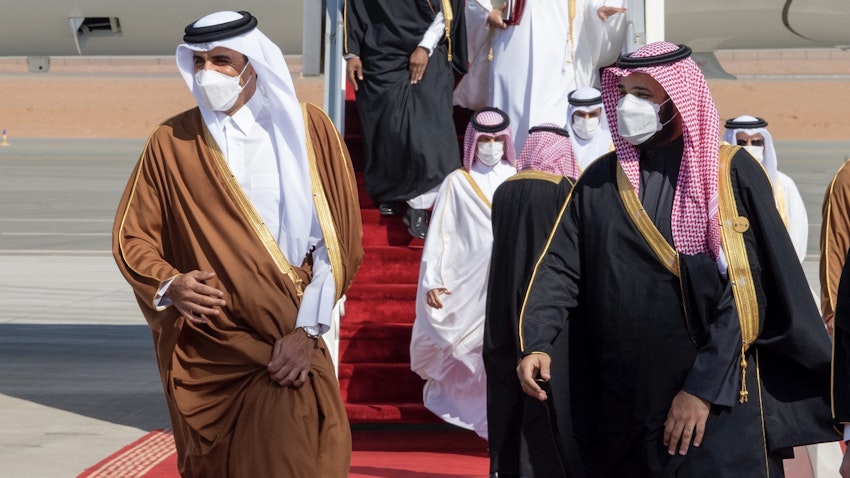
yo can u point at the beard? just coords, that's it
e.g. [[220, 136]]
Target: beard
[[672, 129]]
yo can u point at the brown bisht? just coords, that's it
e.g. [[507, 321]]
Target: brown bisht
[[183, 210]]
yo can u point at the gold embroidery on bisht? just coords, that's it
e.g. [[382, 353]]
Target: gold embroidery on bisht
[[732, 228]]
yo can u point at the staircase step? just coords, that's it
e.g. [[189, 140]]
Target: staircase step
[[379, 383], [389, 265], [380, 303], [389, 412], [371, 343], [374, 355], [381, 230]]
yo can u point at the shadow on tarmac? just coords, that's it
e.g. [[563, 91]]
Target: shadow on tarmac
[[105, 372]]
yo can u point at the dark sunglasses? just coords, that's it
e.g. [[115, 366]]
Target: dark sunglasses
[[750, 142]]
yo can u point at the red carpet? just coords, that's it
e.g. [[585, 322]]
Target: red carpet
[[377, 453], [374, 342], [152, 456], [375, 332], [400, 453]]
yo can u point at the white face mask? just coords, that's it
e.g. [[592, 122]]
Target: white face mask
[[219, 91], [637, 119], [756, 152], [490, 152], [585, 128]]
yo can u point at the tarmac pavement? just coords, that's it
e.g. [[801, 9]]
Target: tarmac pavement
[[78, 376]]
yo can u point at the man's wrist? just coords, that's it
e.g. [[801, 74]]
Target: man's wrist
[[312, 331]]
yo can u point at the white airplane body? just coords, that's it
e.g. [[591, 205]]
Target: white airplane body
[[155, 27], [712, 25], [34, 28]]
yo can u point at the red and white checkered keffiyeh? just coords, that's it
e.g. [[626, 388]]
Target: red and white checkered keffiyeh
[[694, 218], [472, 135], [545, 150]]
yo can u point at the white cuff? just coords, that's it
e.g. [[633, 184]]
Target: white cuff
[[160, 301], [434, 34]]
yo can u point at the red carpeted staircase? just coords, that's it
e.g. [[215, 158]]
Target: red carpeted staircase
[[374, 344], [374, 357]]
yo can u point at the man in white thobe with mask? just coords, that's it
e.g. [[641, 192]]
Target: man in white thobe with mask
[[751, 133], [588, 126], [547, 49], [448, 333]]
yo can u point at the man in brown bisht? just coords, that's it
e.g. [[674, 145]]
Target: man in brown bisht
[[239, 230], [834, 240]]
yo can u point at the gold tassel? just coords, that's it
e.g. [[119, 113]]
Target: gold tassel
[[572, 10], [744, 393], [448, 16]]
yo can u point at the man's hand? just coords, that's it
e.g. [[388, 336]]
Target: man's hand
[[845, 466], [195, 301], [354, 71], [527, 371], [433, 297], [291, 359], [418, 62], [685, 419], [494, 18], [604, 12]]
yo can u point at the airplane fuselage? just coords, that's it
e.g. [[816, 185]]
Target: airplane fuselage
[[155, 27]]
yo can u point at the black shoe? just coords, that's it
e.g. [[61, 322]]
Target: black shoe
[[416, 221], [389, 208]]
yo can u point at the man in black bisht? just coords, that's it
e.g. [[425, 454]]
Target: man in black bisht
[[695, 347], [524, 210], [400, 59]]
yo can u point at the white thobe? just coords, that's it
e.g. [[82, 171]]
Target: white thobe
[[538, 62], [587, 151], [793, 212], [446, 343], [473, 90]]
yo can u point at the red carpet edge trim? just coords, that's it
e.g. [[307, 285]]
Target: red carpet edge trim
[[135, 459]]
